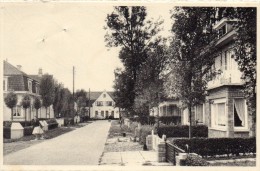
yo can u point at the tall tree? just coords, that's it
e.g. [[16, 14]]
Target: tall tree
[[11, 101], [57, 103], [47, 91], [37, 105], [128, 29], [192, 54], [26, 103]]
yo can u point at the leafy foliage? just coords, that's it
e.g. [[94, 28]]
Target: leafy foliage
[[11, 100], [26, 101], [47, 90], [37, 103]]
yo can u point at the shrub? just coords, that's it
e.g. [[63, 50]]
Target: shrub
[[144, 131], [7, 132], [194, 160], [133, 126], [26, 123], [170, 120], [183, 131], [144, 120], [52, 123], [28, 130], [218, 146], [7, 123], [68, 121]]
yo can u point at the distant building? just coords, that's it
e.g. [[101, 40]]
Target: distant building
[[20, 83], [102, 105]]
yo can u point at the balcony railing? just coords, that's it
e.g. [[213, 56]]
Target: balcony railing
[[227, 77]]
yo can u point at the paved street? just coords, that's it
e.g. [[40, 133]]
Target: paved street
[[83, 146]]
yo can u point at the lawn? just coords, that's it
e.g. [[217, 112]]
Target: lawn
[[236, 163], [114, 144]]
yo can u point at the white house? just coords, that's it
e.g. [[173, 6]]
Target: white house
[[102, 105]]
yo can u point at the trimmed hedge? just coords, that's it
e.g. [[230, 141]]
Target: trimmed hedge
[[176, 120], [183, 131], [194, 160], [68, 121], [144, 120], [28, 130], [218, 146], [52, 124], [7, 132]]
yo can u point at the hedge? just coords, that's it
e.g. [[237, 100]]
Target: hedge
[[176, 120], [194, 160], [7, 132], [52, 123], [217, 146], [183, 131], [68, 121], [28, 130]]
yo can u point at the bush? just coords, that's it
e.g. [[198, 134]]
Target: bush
[[176, 120], [218, 146], [144, 120], [133, 126], [7, 132], [194, 160], [68, 121], [28, 130], [26, 123], [183, 131], [143, 132], [52, 123], [7, 123]]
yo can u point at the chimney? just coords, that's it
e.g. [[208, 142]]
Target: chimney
[[40, 72], [19, 67]]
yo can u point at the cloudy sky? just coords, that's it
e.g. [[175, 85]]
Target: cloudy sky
[[58, 36]]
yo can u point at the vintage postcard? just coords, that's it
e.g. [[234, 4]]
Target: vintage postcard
[[138, 85]]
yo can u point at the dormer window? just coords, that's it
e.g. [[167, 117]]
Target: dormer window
[[30, 86], [104, 95], [222, 30], [5, 84]]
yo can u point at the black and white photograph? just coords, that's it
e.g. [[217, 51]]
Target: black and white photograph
[[115, 85]]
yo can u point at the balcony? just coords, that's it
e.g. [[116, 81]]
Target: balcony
[[226, 38], [227, 77]]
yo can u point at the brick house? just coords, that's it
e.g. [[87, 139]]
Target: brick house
[[20, 83], [102, 105]]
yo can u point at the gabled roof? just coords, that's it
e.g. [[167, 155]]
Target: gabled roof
[[95, 94], [35, 77], [12, 70]]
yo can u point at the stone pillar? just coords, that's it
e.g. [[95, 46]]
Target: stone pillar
[[161, 152], [181, 158], [16, 130], [230, 117]]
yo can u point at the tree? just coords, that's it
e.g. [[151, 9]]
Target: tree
[[26, 103], [81, 99], [192, 52], [11, 101], [245, 51], [47, 90], [58, 101], [150, 79], [37, 105], [128, 28]]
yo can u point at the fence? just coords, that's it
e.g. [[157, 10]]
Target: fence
[[171, 152]]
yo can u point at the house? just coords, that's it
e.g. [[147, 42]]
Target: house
[[20, 83], [225, 107], [102, 105]]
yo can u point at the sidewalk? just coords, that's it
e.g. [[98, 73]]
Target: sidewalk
[[137, 158]]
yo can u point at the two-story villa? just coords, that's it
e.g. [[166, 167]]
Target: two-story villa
[[102, 105], [225, 110], [20, 83]]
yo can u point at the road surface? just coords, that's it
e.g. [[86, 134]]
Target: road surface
[[83, 146]]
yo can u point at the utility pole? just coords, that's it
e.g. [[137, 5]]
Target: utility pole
[[89, 103], [73, 71]]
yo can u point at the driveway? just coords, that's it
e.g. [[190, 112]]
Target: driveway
[[83, 146]]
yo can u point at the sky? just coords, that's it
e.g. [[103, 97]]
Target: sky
[[58, 36]]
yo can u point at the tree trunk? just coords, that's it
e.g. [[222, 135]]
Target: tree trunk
[[37, 114], [46, 112], [189, 108], [12, 114], [25, 117]]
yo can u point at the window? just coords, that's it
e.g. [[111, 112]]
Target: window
[[240, 115], [218, 113], [36, 89], [96, 113], [102, 113], [109, 103], [30, 86], [222, 30], [112, 114], [17, 111], [199, 113], [5, 84], [99, 103], [106, 114]]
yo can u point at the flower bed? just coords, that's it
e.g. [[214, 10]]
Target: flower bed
[[218, 146], [183, 131]]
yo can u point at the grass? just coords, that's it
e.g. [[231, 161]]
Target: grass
[[236, 163]]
